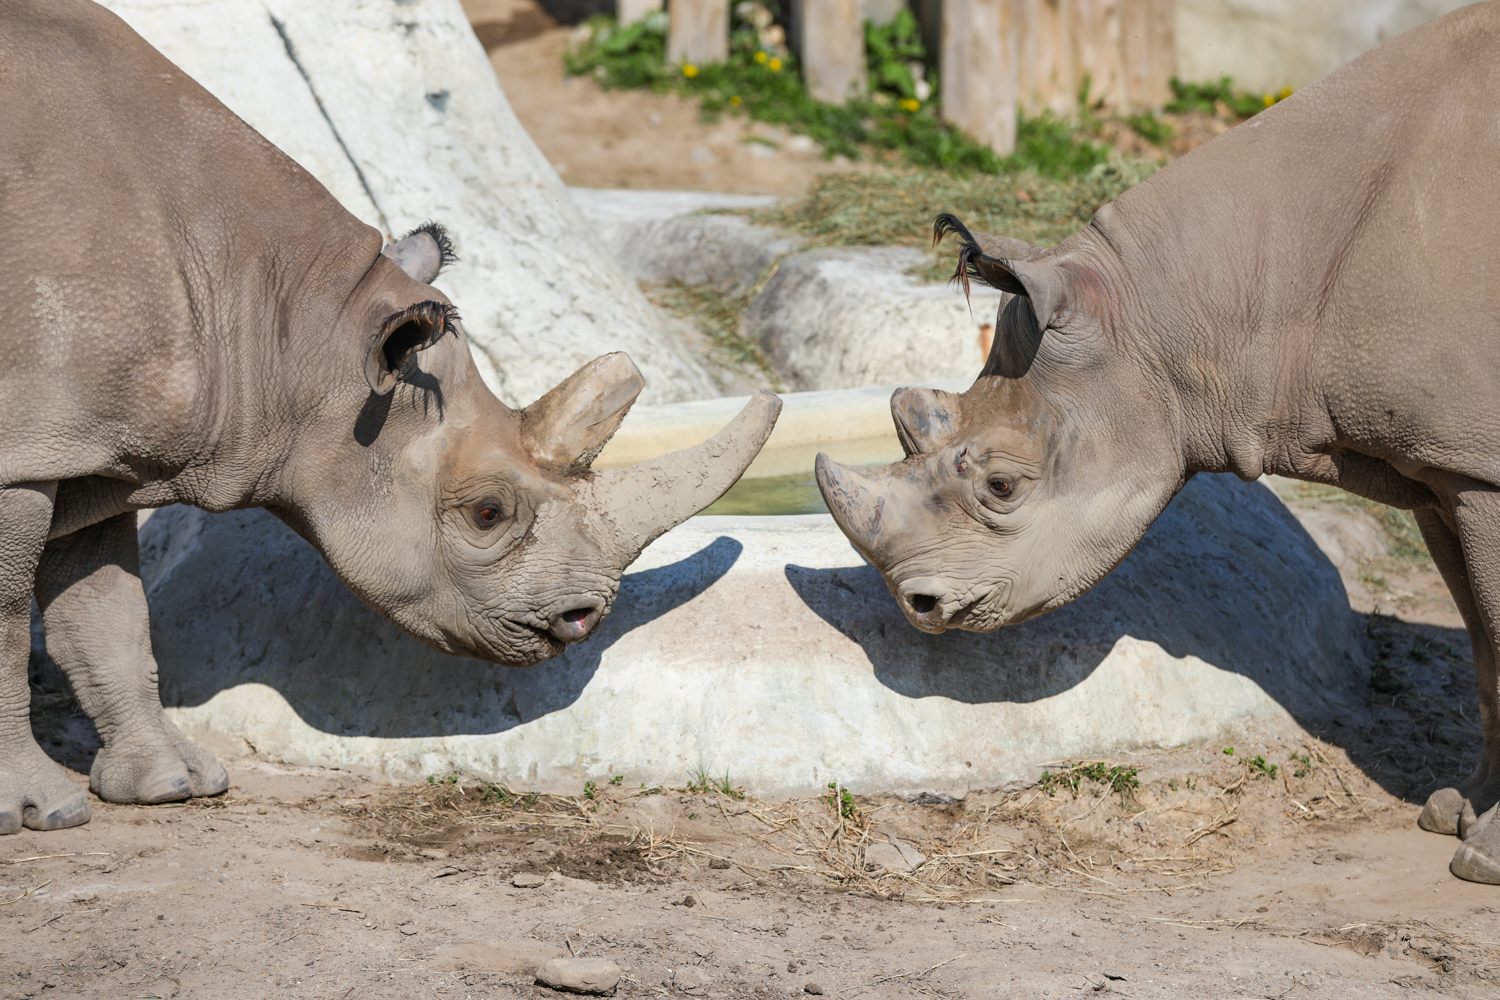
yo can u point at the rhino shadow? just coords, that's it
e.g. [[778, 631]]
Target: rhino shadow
[[1261, 600], [237, 599]]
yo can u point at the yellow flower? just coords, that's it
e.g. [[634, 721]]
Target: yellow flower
[[1269, 100], [761, 57], [735, 100], [775, 65], [690, 71], [908, 104], [1285, 93]]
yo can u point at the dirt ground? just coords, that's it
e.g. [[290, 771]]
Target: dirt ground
[[1200, 873]]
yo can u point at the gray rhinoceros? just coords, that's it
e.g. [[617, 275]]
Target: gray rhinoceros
[[196, 320], [1312, 294]]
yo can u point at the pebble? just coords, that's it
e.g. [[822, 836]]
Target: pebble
[[526, 880], [579, 975], [813, 989]]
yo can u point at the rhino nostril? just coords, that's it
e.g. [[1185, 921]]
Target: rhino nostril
[[922, 603], [576, 615]]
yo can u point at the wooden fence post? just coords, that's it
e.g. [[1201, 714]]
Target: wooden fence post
[[979, 71], [1047, 80], [630, 11], [831, 37], [698, 32]]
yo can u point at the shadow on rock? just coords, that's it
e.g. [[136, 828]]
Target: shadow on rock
[[1225, 575], [238, 599]]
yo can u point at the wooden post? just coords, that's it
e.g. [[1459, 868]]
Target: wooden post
[[831, 38], [979, 71], [1047, 80], [1098, 52], [698, 32], [630, 11]]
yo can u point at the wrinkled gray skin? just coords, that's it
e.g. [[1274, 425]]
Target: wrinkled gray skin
[[195, 320], [1312, 294]]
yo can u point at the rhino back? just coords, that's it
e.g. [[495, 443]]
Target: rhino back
[[170, 275], [1341, 249]]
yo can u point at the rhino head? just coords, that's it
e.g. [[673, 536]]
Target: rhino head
[[477, 528], [1027, 489]]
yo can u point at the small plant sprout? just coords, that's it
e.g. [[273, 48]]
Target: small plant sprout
[[703, 783], [618, 779], [841, 801], [1301, 765], [1229, 751], [1113, 776], [590, 789], [1259, 765]]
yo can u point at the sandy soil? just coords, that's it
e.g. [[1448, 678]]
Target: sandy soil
[[1212, 878]]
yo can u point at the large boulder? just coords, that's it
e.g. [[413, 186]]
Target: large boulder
[[766, 648], [395, 108]]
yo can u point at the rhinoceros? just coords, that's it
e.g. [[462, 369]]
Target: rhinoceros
[[1312, 294], [196, 320]]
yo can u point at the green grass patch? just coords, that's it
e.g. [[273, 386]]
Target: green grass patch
[[1219, 96], [1114, 777], [896, 119]]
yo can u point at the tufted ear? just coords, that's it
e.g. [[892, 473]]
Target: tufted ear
[[401, 336], [1009, 265], [423, 252]]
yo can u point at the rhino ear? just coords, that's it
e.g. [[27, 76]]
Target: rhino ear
[[423, 252], [567, 428], [1007, 264], [401, 336], [925, 418]]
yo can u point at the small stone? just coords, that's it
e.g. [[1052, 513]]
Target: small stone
[[689, 901], [718, 863], [408, 928], [526, 880], [579, 975], [813, 989], [434, 853]]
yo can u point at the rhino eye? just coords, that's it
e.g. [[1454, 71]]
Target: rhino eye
[[488, 514], [1000, 487]]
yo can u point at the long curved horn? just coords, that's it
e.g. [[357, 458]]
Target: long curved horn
[[650, 498]]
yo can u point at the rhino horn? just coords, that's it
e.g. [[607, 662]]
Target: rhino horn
[[567, 428], [925, 418], [855, 499], [650, 498]]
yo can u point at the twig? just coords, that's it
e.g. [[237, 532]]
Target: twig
[[904, 975], [28, 892]]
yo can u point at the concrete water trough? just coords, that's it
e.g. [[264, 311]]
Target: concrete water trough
[[761, 646]]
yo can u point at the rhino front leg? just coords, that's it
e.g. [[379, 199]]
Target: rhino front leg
[[34, 791], [98, 631], [1449, 809]]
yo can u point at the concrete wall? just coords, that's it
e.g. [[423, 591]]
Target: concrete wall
[[1269, 44]]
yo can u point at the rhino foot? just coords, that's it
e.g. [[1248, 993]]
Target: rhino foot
[[165, 771], [37, 795], [1478, 857], [1442, 811]]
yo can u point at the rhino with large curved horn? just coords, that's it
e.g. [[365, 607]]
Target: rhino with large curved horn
[[195, 320], [1312, 294]]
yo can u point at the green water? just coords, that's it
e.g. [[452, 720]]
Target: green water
[[794, 494]]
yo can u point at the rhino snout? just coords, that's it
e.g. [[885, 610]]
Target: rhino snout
[[577, 621], [930, 604]]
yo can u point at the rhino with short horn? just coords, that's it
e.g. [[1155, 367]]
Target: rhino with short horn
[[194, 319], [1312, 294]]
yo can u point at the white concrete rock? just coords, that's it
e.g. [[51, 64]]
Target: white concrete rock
[[765, 648], [1269, 44], [395, 108], [664, 236], [835, 319]]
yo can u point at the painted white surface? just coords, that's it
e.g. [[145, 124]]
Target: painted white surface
[[1269, 44], [395, 108], [763, 647]]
